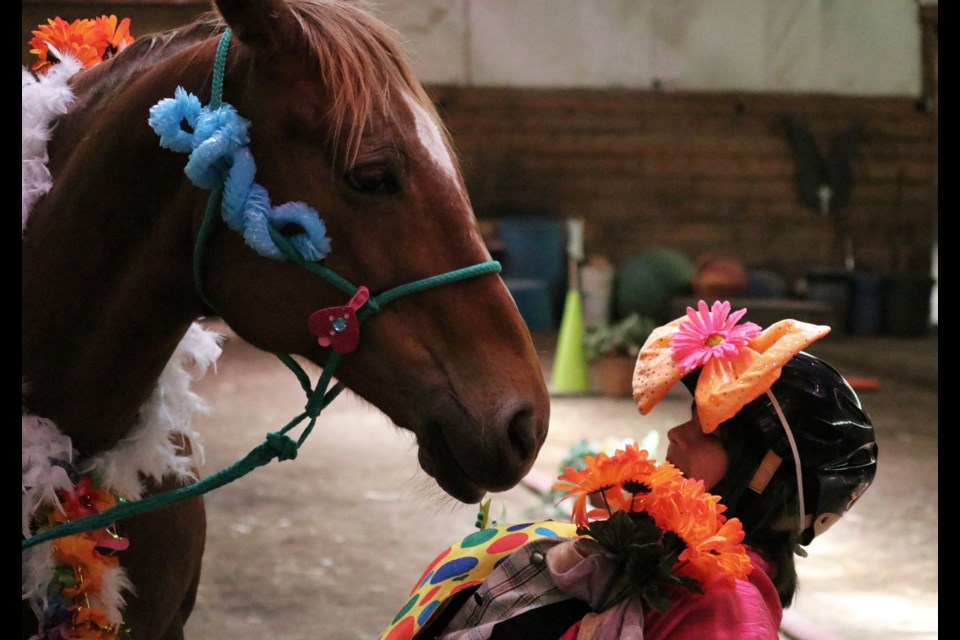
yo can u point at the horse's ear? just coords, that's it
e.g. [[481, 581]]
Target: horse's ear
[[264, 25]]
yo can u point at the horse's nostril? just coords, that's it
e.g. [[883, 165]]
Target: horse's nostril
[[525, 434]]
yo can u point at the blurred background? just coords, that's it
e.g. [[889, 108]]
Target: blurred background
[[643, 154], [758, 148]]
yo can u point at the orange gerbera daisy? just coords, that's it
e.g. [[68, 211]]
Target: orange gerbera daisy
[[89, 41], [601, 474], [59, 37], [115, 35], [644, 483], [707, 546]]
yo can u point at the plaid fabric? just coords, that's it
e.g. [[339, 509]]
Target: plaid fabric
[[519, 584]]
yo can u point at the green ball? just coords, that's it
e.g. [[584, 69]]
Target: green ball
[[647, 281]]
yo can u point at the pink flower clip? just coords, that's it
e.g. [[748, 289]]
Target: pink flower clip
[[711, 333]]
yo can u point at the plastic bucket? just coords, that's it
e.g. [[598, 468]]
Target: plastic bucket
[[866, 304], [535, 248], [596, 283]]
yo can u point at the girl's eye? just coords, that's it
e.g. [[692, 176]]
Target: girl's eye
[[372, 179]]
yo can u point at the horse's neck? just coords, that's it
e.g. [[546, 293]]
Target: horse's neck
[[106, 272]]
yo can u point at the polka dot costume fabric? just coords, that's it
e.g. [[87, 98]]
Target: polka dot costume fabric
[[463, 565]]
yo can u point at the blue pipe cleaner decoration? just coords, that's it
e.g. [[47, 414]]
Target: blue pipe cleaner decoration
[[219, 154]]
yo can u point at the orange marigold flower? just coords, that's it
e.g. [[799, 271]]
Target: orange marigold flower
[[687, 510], [676, 511], [718, 556]]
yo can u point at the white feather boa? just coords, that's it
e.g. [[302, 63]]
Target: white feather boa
[[149, 450], [43, 100]]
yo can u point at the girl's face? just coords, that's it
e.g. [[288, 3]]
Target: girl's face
[[695, 453]]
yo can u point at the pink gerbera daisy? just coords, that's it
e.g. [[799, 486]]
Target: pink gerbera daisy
[[710, 333]]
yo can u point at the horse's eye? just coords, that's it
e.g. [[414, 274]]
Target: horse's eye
[[372, 179]]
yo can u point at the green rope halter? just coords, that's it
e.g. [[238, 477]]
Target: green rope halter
[[278, 444]]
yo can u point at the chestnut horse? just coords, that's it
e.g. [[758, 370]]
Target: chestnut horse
[[338, 122]]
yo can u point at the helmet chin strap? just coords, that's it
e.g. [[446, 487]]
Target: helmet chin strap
[[771, 462]]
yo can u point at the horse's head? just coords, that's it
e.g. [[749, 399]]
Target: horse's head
[[339, 122]]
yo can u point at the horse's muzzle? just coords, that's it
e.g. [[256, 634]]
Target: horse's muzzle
[[469, 453]]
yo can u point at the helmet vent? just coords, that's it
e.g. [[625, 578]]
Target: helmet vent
[[863, 458]]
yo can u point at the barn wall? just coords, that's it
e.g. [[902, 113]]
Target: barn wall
[[695, 170], [701, 172]]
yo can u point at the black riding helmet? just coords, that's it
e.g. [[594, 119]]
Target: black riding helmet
[[833, 434]]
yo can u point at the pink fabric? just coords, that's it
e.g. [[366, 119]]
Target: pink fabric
[[571, 633], [748, 610]]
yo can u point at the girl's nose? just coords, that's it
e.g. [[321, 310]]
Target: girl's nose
[[673, 435], [680, 435]]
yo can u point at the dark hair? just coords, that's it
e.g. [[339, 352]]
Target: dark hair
[[760, 512]]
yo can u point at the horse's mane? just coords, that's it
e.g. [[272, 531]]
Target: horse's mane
[[358, 57]]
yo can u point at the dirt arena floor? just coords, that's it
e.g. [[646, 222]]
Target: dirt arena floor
[[327, 546]]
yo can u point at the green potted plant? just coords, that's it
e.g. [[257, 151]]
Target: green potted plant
[[613, 348]]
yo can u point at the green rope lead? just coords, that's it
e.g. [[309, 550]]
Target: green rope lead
[[375, 303], [200, 248], [219, 70], [423, 284], [278, 444]]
